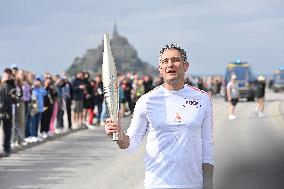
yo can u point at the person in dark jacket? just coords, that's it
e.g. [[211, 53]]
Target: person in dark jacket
[[48, 101], [7, 98], [127, 91], [260, 94], [59, 85], [148, 83], [200, 84], [99, 97], [78, 86], [88, 101]]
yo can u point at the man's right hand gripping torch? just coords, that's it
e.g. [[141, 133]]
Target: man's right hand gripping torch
[[110, 83]]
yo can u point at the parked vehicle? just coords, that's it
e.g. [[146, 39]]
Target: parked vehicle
[[245, 79], [278, 80]]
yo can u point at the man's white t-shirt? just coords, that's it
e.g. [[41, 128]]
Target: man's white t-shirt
[[234, 89], [179, 126]]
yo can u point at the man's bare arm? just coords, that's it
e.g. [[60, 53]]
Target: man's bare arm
[[123, 140]]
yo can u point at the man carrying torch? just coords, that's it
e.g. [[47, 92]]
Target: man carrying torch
[[179, 125]]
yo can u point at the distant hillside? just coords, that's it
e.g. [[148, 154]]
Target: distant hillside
[[125, 57]]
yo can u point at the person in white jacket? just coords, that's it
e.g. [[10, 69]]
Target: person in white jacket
[[178, 122]]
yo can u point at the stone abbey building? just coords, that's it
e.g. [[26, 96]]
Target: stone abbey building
[[125, 57]]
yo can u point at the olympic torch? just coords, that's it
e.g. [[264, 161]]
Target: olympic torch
[[110, 83]]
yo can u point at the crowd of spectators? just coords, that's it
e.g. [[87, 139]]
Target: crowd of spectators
[[35, 107], [40, 106]]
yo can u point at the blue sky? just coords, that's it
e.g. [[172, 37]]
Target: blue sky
[[47, 35]]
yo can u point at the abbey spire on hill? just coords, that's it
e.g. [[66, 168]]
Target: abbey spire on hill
[[125, 57]]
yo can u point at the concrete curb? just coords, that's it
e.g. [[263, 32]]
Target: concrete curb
[[50, 138]]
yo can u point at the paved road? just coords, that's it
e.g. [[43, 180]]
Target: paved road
[[249, 154], [84, 159], [250, 150]]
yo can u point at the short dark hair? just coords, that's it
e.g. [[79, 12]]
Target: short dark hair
[[173, 46], [8, 71]]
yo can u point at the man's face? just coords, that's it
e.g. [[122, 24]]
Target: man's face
[[172, 68]]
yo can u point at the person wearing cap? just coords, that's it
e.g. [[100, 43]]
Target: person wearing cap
[[260, 94], [38, 93], [178, 121], [233, 96]]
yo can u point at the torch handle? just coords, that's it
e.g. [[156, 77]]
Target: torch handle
[[115, 136]]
